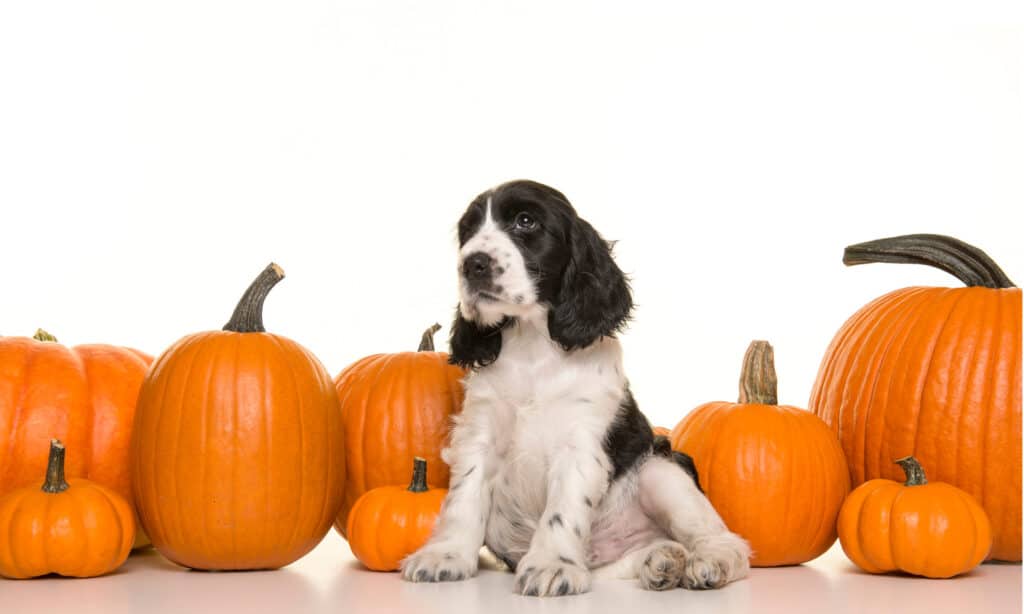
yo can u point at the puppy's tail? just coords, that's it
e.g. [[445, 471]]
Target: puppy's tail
[[663, 447]]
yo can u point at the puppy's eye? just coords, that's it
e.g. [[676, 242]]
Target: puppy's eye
[[525, 221]]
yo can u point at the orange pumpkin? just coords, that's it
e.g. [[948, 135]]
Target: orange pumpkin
[[84, 395], [933, 530], [934, 373], [396, 407], [72, 527], [389, 523], [775, 473], [236, 454], [660, 431]]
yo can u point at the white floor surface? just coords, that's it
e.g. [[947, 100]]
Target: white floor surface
[[330, 580]]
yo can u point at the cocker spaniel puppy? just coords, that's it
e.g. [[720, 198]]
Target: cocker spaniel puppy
[[553, 467]]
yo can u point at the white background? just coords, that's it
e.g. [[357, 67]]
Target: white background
[[154, 156]]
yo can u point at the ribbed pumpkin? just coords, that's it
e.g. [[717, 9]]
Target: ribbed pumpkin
[[83, 395], [934, 373], [775, 473], [389, 523], [72, 527], [933, 530], [396, 407], [237, 445]]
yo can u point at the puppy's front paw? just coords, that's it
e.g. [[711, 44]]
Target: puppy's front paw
[[438, 565], [664, 566], [541, 576], [715, 561]]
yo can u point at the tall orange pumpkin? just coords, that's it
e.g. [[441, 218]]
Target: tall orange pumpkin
[[775, 473], [83, 395], [934, 373], [396, 407], [236, 452]]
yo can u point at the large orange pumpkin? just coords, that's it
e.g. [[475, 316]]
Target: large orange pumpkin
[[83, 395], [389, 523], [72, 527], [236, 452], [934, 373], [396, 407], [775, 473], [933, 530]]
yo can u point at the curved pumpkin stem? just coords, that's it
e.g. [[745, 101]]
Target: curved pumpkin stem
[[419, 475], [962, 260], [248, 315], [42, 335], [427, 340], [914, 471], [55, 482], [758, 384]]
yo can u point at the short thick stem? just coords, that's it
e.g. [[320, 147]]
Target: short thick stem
[[42, 335], [248, 315], [55, 482], [419, 475], [427, 340], [758, 384], [913, 470]]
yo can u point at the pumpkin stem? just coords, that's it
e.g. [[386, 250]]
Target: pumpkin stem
[[758, 384], [914, 471], [419, 475], [962, 260], [427, 340], [42, 335], [248, 315], [55, 481]]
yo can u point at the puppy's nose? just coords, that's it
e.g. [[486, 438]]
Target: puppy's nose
[[477, 266]]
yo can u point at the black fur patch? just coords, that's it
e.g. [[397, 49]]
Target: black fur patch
[[629, 436], [555, 520], [472, 345], [663, 447]]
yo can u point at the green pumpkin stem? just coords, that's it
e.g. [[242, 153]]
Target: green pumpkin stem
[[914, 471], [419, 475], [248, 315], [42, 335], [758, 384], [427, 340], [964, 261], [55, 482]]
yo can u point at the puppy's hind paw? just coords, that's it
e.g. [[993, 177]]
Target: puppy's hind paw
[[715, 561], [664, 566], [437, 566]]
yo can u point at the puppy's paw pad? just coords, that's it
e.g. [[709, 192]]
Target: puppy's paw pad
[[437, 566], [551, 578], [664, 567]]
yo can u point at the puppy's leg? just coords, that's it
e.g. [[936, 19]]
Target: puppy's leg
[[577, 479], [452, 552], [670, 497]]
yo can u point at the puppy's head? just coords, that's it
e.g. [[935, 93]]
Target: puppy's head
[[523, 248]]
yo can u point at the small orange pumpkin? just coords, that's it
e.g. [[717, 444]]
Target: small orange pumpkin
[[389, 523], [396, 407], [936, 373], [73, 527], [236, 451], [661, 431], [775, 473], [933, 530]]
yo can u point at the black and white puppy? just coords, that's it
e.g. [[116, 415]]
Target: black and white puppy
[[553, 467]]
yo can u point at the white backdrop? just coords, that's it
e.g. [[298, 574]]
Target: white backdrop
[[155, 156]]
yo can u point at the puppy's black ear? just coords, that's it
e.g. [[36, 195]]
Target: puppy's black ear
[[594, 300], [472, 345]]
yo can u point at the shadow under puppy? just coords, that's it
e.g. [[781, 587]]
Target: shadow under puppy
[[553, 466]]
